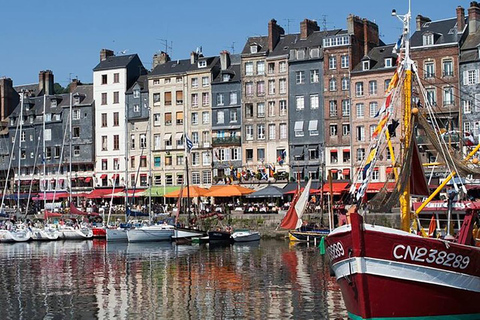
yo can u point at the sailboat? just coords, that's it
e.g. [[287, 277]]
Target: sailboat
[[386, 273]]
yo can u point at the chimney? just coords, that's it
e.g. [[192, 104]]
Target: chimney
[[307, 27], [274, 33], [8, 98], [421, 20], [105, 53], [365, 37], [49, 88], [224, 59], [193, 57], [74, 84], [473, 17], [160, 58], [460, 19], [41, 82]]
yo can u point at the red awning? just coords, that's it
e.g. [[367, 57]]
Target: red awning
[[103, 176], [337, 187], [115, 176], [333, 151], [60, 181], [334, 170], [88, 179], [102, 193], [346, 172], [375, 169], [389, 170], [80, 178], [346, 150], [374, 187]]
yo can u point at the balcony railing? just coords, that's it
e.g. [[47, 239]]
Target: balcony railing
[[226, 140]]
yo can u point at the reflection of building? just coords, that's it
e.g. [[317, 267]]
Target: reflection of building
[[373, 73], [227, 118]]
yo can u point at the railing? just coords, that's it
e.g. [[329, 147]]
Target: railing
[[226, 140]]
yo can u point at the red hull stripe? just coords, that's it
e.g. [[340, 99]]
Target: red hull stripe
[[408, 272], [455, 317]]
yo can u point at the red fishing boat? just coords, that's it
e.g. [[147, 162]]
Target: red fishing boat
[[386, 273]]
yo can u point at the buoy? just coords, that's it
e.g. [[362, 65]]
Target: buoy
[[415, 111], [475, 160]]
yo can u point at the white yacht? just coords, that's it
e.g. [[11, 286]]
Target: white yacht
[[158, 232], [45, 234], [72, 233]]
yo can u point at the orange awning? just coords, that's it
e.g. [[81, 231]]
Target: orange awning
[[228, 191], [337, 187], [374, 187], [346, 172], [193, 191]]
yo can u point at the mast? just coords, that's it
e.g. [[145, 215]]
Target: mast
[[126, 161], [406, 130], [70, 151], [22, 97], [44, 159]]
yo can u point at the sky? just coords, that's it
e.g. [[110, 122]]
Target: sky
[[67, 36]]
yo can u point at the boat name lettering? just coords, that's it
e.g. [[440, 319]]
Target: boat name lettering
[[433, 256], [335, 250]]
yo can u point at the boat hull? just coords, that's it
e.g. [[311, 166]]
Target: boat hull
[[99, 232], [220, 236], [150, 234], [390, 274], [116, 235], [39, 234], [245, 236], [307, 236], [76, 234], [15, 236]]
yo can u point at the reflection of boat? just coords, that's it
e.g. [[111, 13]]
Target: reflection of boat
[[116, 234], [161, 232], [386, 273], [245, 236]]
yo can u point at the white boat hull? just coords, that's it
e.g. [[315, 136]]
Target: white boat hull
[[39, 234], [183, 234], [117, 235], [151, 233], [76, 234], [15, 236], [246, 236]]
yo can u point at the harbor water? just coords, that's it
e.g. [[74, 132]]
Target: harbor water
[[270, 279]]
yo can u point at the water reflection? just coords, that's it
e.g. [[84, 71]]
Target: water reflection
[[99, 280]]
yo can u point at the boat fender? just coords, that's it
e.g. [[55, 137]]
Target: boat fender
[[229, 229]]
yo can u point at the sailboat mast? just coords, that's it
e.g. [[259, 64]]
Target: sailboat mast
[[44, 159], [70, 152], [22, 97]]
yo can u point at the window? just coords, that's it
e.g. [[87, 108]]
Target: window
[[314, 76], [260, 131], [156, 119], [205, 117], [180, 160], [282, 66], [104, 164], [345, 129], [386, 84], [136, 108], [360, 110], [248, 110], [168, 161], [283, 131], [346, 156], [104, 143], [313, 154], [205, 98], [466, 127], [271, 132], [206, 177], [233, 116], [220, 117], [372, 129], [116, 119], [179, 140], [300, 54], [156, 97], [471, 77], [314, 102], [373, 109], [194, 82], [75, 115], [248, 132], [261, 110], [260, 68], [104, 79], [313, 127], [333, 156], [195, 158], [271, 67], [283, 86], [271, 108], [333, 130], [169, 178], [206, 158], [76, 151], [359, 89], [116, 142], [388, 62], [168, 119], [333, 108], [249, 154], [194, 118], [179, 97], [104, 98], [260, 154], [143, 161], [116, 77], [233, 98], [429, 70], [260, 88], [332, 62], [76, 132], [332, 84], [202, 63], [205, 81], [220, 99], [196, 177], [345, 84], [168, 98], [428, 39], [372, 87], [195, 138], [300, 77], [116, 97], [345, 108], [226, 77], [298, 129], [360, 133], [345, 61], [271, 87], [283, 107], [366, 65], [467, 106], [300, 102], [136, 93], [132, 162], [132, 141], [157, 142], [195, 100], [448, 96], [249, 68], [104, 120]]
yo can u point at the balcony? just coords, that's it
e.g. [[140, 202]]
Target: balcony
[[226, 141]]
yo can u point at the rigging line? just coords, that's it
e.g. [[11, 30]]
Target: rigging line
[[31, 181], [10, 163], [60, 160]]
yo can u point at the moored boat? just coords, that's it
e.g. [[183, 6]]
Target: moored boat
[[73, 233], [99, 232], [245, 236], [220, 235], [307, 236], [161, 232], [45, 234], [18, 235]]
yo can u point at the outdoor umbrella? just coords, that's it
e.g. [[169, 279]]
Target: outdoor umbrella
[[268, 192], [228, 191], [193, 191]]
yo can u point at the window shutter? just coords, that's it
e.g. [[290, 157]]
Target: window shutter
[[465, 77], [476, 103], [477, 78]]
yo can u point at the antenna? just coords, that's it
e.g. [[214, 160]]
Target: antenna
[[324, 22], [168, 48], [288, 24], [233, 47]]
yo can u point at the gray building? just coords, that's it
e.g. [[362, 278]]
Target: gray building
[[305, 94], [227, 119]]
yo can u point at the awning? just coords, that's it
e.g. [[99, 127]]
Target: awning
[[375, 169], [346, 150], [346, 172], [88, 179], [337, 187], [312, 125], [374, 187], [298, 126], [297, 152], [334, 170], [333, 151], [178, 136], [103, 176], [51, 196], [228, 191], [167, 136], [389, 170], [101, 193], [115, 176], [60, 181]]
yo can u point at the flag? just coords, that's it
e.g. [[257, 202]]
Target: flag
[[393, 83], [432, 227], [385, 105], [188, 144], [398, 45], [380, 126], [468, 139]]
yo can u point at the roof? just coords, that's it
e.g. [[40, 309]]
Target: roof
[[182, 66], [469, 49], [261, 42], [444, 31], [233, 70], [377, 58], [116, 62], [142, 81]]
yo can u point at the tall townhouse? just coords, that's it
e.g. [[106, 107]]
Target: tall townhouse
[[373, 73], [188, 81], [138, 143], [435, 49], [112, 77], [9, 98], [342, 50], [200, 75], [265, 103], [470, 75], [305, 111], [227, 119], [28, 139]]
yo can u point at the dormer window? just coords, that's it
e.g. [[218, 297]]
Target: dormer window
[[253, 48], [136, 93], [202, 63], [388, 62], [226, 77], [428, 39], [76, 99], [300, 54], [53, 103], [366, 65]]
